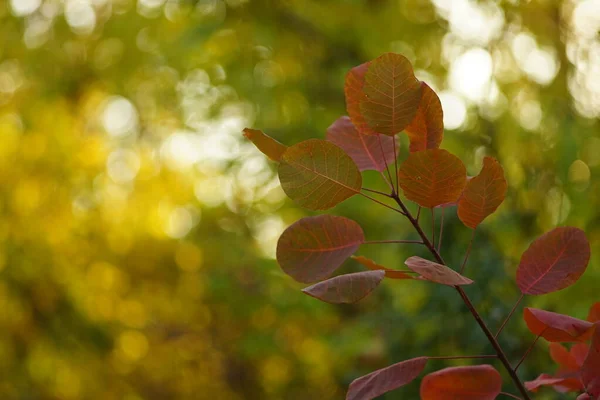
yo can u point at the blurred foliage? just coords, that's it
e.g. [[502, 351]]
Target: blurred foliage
[[137, 228]]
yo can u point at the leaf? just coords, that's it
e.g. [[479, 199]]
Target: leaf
[[553, 261], [584, 396], [566, 361], [348, 288], [556, 327], [269, 146], [432, 177], [317, 174], [312, 248], [383, 96], [544, 380], [426, 130], [369, 152], [579, 351], [389, 273], [594, 314], [383, 380], [435, 272], [479, 382], [590, 371], [482, 194]]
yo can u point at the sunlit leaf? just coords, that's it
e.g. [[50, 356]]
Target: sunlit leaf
[[312, 248], [556, 327], [269, 146], [435, 272], [426, 130], [390, 95], [348, 288], [590, 371], [478, 382], [383, 380], [369, 152], [482, 194], [389, 273], [594, 314], [317, 174], [553, 261], [432, 177]]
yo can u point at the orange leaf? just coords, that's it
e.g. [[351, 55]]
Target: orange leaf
[[266, 144], [312, 248], [594, 314], [563, 358], [483, 194], [426, 130], [479, 382], [317, 174], [348, 288], [355, 81], [389, 273], [369, 152], [435, 272], [548, 380], [432, 177], [553, 261], [383, 380], [556, 327]]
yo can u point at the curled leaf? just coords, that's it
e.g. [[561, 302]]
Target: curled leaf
[[317, 174], [266, 144], [348, 288], [369, 152], [556, 327], [389, 273], [478, 382], [432, 177], [553, 261], [383, 380], [312, 248], [483, 194], [426, 130], [435, 272]]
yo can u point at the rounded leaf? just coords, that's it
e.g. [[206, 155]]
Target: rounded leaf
[[435, 272], [556, 327], [266, 144], [383, 380], [348, 288], [312, 248], [353, 88], [389, 273], [553, 261], [369, 152], [482, 194], [432, 177], [478, 382], [426, 130], [318, 175]]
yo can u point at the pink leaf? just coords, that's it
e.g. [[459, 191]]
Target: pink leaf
[[590, 371], [556, 327], [348, 288], [435, 272]]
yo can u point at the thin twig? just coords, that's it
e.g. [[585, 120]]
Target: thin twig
[[439, 246], [432, 226], [511, 395], [529, 350], [385, 162], [462, 267], [378, 192], [509, 315], [418, 213], [393, 241], [462, 357], [383, 204], [396, 164]]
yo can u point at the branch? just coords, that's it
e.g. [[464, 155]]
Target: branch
[[462, 267], [383, 204], [528, 350], [439, 246], [462, 357], [393, 241], [509, 315], [511, 395], [378, 192], [468, 303]]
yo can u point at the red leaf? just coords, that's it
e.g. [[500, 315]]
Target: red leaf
[[594, 314], [483, 194], [479, 382], [544, 380], [563, 358], [389, 273], [312, 248], [435, 272], [348, 288], [426, 130], [266, 144], [369, 152], [579, 351], [385, 97], [557, 327], [317, 174], [590, 371], [584, 396], [383, 380], [432, 177], [553, 261]]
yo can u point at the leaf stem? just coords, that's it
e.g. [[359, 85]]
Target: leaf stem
[[383, 204], [468, 303], [432, 226], [439, 246], [463, 357], [378, 192], [462, 267], [528, 350], [509, 315], [510, 395], [396, 164], [418, 213], [393, 241], [386, 164]]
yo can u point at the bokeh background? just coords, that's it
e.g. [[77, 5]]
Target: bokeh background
[[138, 228]]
